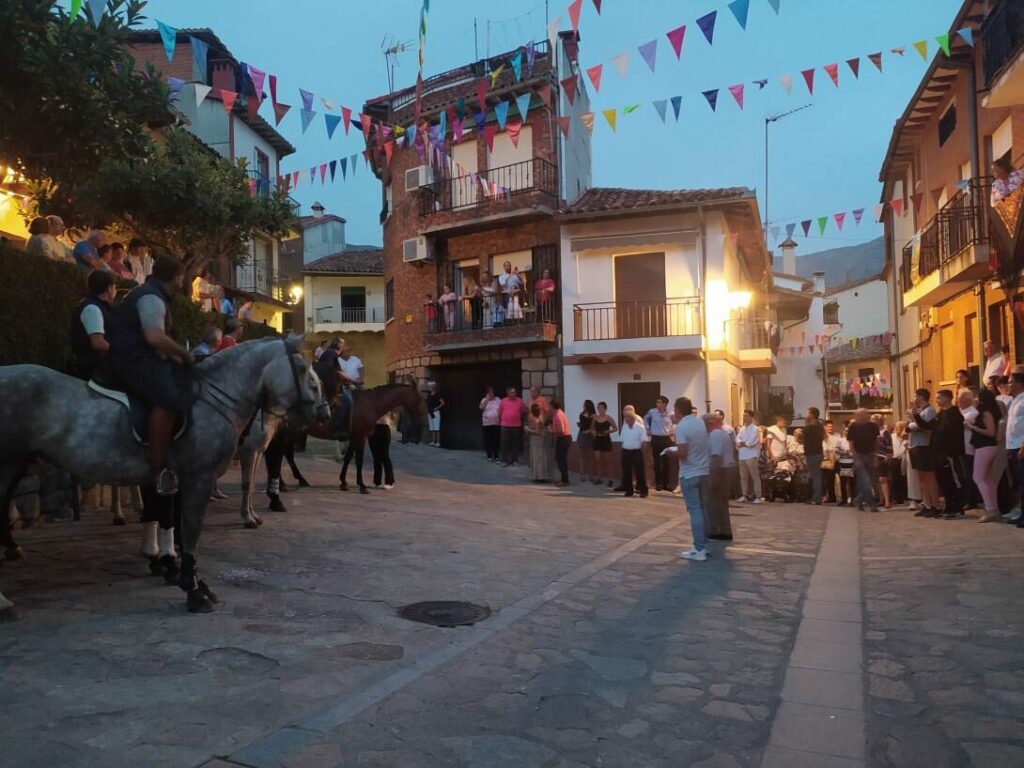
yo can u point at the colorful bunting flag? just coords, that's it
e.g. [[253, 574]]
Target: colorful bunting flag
[[597, 5], [840, 218], [168, 36], [295, 179], [737, 93], [333, 166], [569, 86], [707, 26], [332, 122], [922, 48], [352, 163], [312, 174], [523, 104], [201, 92], [280, 110], [858, 214], [676, 103], [273, 88], [774, 232], [660, 107], [649, 51], [227, 99], [787, 83], [594, 73], [517, 65], [809, 79], [740, 9], [897, 205], [854, 65], [967, 34], [790, 229], [833, 72], [258, 77], [344, 166], [675, 37], [587, 118], [174, 86], [775, 5], [553, 26], [307, 100], [621, 63], [609, 115], [480, 118], [712, 97], [389, 150], [501, 113], [200, 53], [943, 41], [328, 105], [489, 132], [630, 108], [323, 172], [916, 200], [822, 223], [879, 210], [512, 129], [307, 118], [96, 10], [346, 117], [364, 122], [574, 13], [481, 92], [806, 224], [876, 59], [76, 7], [496, 74], [563, 123]]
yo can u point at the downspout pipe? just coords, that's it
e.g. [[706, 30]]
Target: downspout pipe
[[704, 297]]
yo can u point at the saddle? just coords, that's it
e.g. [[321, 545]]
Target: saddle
[[138, 412]]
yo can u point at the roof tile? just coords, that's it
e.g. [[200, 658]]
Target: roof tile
[[605, 199], [354, 260]]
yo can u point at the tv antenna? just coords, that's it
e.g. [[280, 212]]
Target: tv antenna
[[391, 47]]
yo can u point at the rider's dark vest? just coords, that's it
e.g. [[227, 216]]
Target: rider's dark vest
[[87, 359], [125, 335]]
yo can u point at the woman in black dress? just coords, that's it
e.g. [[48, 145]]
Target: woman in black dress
[[585, 440], [601, 427]]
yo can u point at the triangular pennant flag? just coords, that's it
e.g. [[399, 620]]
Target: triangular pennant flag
[[457, 128], [737, 93], [200, 52], [879, 210], [346, 117], [76, 7], [563, 123], [442, 126], [273, 88], [854, 65], [594, 73], [512, 129], [609, 115], [707, 26], [876, 59], [545, 95], [761, 84], [806, 224], [168, 35], [258, 77], [480, 118], [840, 218], [328, 105], [489, 132], [740, 9], [675, 37], [227, 99], [917, 199], [649, 51], [323, 172], [774, 232], [621, 63], [661, 106], [280, 110], [963, 185], [174, 86], [858, 214], [365, 123], [631, 108], [676, 103], [352, 161], [333, 166], [787, 83], [943, 41], [332, 122], [897, 205], [922, 47], [295, 179], [822, 223], [201, 92], [531, 55], [899, 50], [307, 100], [574, 13], [832, 70], [481, 92], [96, 11], [389, 150], [501, 113], [587, 118], [307, 118], [597, 5], [712, 97], [809, 79], [344, 166], [967, 34], [790, 229], [569, 86], [937, 195], [516, 62], [775, 5], [553, 27], [312, 174]]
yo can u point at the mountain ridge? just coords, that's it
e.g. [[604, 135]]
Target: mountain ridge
[[843, 265]]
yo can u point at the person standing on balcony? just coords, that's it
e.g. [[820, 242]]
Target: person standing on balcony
[[448, 301], [546, 290], [511, 410], [995, 363], [1006, 182], [748, 443], [602, 427], [510, 283], [430, 312], [474, 298], [490, 418], [659, 425], [489, 293], [435, 404]]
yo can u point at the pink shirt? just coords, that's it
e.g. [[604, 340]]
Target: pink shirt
[[512, 410]]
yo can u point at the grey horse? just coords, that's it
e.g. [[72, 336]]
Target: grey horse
[[48, 415]]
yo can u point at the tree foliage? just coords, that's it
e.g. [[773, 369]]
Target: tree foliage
[[71, 96]]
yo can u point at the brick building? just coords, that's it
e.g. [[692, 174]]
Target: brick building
[[444, 226]]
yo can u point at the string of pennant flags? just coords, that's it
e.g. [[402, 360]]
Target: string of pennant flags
[[819, 344]]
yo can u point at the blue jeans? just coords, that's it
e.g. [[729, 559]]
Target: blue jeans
[[864, 471], [695, 491], [817, 480]]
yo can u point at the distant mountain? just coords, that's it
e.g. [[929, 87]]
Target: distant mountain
[[843, 265]]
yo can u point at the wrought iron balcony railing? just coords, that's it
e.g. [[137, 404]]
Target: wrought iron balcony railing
[[610, 320], [459, 192]]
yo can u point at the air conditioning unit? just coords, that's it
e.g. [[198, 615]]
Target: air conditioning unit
[[417, 177], [416, 250]]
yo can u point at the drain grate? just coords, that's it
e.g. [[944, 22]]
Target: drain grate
[[445, 613]]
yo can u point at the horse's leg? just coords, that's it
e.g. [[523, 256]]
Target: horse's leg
[[273, 458], [10, 476], [115, 505], [344, 466], [195, 495], [248, 457], [289, 454], [360, 451]]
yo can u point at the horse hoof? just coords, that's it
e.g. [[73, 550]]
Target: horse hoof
[[364, 489], [205, 589], [251, 524], [276, 505], [119, 520], [14, 553], [343, 486], [171, 572], [197, 602]]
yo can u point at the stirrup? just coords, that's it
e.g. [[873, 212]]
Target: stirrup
[[166, 483]]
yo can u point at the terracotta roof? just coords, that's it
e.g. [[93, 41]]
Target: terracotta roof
[[607, 199], [354, 260], [878, 276], [868, 348], [308, 221]]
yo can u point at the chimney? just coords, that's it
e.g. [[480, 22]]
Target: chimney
[[819, 282], [318, 210], [223, 75], [788, 247]]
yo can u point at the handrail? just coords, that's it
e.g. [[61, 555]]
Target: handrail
[[606, 321], [958, 225], [457, 192], [1003, 39]]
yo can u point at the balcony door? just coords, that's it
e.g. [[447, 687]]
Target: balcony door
[[353, 304], [640, 307], [510, 164], [464, 190]]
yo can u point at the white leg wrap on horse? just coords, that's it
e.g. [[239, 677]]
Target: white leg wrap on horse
[[273, 485], [166, 536], [149, 544]]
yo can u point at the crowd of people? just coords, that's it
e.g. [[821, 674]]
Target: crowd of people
[[492, 301]]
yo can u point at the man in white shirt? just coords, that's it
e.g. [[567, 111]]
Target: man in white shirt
[[633, 434], [965, 402], [748, 443], [777, 439], [659, 426], [722, 463], [1015, 437], [351, 368], [995, 363], [694, 468], [139, 259]]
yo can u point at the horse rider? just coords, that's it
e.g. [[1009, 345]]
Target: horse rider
[[89, 326], [143, 355]]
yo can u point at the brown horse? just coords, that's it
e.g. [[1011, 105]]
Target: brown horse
[[368, 405]]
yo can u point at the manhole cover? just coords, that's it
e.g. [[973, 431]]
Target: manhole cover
[[445, 613]]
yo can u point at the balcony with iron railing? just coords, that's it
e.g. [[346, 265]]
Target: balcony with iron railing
[[757, 343], [261, 280], [951, 249], [501, 320], [628, 331], [521, 186], [332, 318], [1002, 40]]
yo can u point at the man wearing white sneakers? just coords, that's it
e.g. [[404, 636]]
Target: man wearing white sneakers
[[748, 441], [691, 448]]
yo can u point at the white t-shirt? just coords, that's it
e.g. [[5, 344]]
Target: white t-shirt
[[92, 319], [749, 442], [351, 367], [778, 442], [692, 433], [633, 437], [994, 366], [970, 413]]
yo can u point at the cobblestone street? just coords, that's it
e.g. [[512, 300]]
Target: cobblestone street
[[820, 637]]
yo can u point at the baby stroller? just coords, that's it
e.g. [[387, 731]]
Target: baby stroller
[[779, 485]]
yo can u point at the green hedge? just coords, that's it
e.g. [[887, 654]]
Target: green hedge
[[38, 297]]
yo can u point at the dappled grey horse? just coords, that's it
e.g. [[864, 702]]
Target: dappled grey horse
[[48, 415]]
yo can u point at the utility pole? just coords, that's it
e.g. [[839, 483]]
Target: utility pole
[[768, 121]]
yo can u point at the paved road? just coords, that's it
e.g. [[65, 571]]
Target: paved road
[[819, 638]]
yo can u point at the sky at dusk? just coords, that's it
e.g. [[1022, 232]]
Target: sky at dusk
[[823, 160]]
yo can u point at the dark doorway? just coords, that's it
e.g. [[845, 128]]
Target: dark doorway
[[462, 387], [640, 394]]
